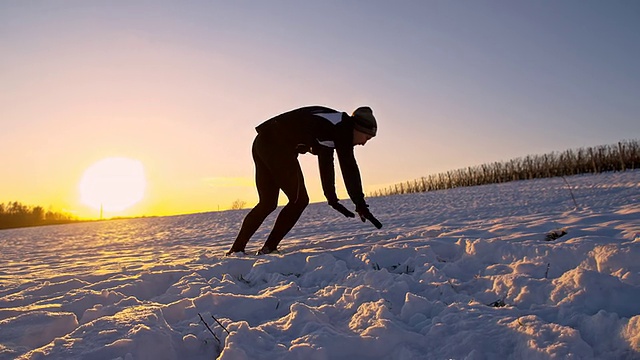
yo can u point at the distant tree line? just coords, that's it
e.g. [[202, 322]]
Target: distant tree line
[[604, 158], [15, 215]]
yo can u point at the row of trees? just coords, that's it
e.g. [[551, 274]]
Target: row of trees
[[15, 214], [619, 157]]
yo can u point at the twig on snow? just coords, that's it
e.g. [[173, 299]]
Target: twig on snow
[[211, 331], [222, 326], [546, 273]]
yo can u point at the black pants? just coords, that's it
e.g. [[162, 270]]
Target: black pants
[[276, 169]]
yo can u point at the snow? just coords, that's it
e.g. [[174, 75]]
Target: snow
[[465, 273]]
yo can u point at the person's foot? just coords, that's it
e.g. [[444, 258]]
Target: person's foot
[[266, 250], [234, 252]]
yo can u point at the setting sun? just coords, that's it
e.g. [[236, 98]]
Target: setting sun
[[113, 184]]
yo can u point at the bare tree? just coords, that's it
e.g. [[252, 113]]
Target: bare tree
[[238, 204]]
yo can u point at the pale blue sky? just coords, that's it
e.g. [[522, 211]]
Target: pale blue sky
[[180, 85]]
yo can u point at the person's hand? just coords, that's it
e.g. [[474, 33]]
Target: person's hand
[[343, 210], [365, 214]]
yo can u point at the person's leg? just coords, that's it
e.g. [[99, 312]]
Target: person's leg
[[291, 181], [268, 199]]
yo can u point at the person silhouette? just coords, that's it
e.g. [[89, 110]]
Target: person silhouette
[[320, 131]]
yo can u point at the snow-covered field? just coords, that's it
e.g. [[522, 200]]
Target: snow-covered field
[[457, 274]]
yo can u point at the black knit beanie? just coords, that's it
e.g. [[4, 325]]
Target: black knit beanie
[[364, 121]]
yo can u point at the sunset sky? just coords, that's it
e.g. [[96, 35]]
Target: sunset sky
[[179, 86]]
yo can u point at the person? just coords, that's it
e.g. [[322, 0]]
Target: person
[[320, 131]]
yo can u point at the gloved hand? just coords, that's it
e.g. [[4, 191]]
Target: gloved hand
[[365, 214], [343, 210]]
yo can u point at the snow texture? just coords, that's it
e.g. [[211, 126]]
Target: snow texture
[[507, 271]]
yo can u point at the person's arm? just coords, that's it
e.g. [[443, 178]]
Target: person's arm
[[327, 173], [353, 182], [351, 174], [328, 180]]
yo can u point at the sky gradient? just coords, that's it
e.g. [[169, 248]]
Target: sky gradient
[[180, 86]]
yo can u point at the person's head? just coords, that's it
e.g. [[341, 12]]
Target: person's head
[[364, 125]]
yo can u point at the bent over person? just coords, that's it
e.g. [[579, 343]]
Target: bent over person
[[320, 131]]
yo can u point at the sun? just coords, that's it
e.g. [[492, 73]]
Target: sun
[[113, 184]]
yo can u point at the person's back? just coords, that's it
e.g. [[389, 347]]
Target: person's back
[[308, 126]]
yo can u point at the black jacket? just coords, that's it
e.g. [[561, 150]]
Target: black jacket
[[320, 130]]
